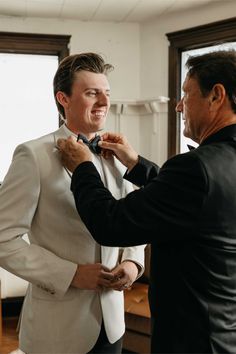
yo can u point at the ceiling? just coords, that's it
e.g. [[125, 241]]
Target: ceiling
[[98, 10]]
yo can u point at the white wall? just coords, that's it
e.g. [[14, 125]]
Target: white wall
[[154, 67], [154, 52], [119, 43]]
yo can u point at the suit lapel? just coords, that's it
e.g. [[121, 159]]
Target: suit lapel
[[61, 133]]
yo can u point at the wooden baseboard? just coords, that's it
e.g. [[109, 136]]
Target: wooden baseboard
[[137, 342]]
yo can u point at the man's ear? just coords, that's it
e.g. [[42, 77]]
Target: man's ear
[[62, 98], [217, 96]]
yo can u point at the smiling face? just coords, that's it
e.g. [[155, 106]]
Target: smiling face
[[87, 106]]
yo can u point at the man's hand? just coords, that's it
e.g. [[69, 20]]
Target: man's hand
[[92, 277], [124, 275], [120, 147], [73, 153]]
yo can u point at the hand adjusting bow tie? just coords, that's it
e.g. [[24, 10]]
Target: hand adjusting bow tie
[[92, 144]]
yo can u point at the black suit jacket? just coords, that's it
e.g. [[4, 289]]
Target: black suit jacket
[[187, 211]]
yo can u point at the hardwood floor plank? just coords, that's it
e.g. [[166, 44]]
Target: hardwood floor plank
[[9, 341]]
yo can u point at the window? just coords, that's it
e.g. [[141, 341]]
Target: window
[[27, 65], [190, 39], [28, 109]]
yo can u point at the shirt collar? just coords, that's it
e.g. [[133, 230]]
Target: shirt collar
[[68, 132], [225, 134]]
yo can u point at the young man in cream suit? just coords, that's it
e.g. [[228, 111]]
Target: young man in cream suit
[[74, 302]]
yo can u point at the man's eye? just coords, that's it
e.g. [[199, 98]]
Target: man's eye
[[92, 93]]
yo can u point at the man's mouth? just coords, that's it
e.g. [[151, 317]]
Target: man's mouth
[[99, 114]]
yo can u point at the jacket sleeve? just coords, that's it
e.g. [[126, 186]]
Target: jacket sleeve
[[19, 196], [136, 255], [143, 172], [167, 208]]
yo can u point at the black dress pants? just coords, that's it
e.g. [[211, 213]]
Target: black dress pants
[[103, 346]]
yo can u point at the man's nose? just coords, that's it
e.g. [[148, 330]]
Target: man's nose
[[104, 99], [179, 106]]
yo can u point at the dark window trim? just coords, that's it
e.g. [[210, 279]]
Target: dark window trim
[[34, 43], [191, 38]]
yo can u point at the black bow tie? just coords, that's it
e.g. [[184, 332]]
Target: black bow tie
[[92, 144]]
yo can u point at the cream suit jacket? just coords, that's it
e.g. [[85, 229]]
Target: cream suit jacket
[[35, 198]]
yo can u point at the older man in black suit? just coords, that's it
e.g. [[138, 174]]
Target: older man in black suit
[[186, 210]]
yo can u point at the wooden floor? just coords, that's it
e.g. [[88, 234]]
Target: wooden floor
[[9, 340]]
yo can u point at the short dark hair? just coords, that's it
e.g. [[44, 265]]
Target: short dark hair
[[65, 74], [218, 67]]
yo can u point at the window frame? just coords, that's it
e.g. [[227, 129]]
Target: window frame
[[191, 38], [35, 43]]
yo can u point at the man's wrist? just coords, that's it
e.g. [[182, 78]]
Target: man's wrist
[[132, 163], [138, 266]]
